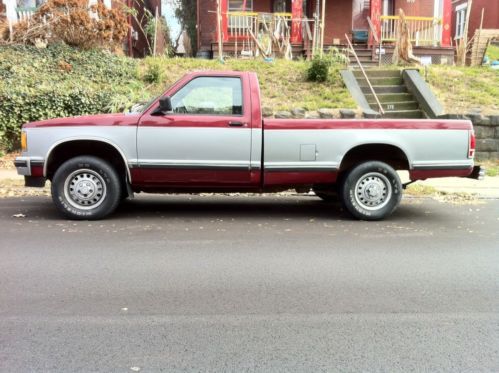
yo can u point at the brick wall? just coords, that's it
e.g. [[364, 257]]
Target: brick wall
[[207, 24], [490, 19], [338, 20], [416, 8]]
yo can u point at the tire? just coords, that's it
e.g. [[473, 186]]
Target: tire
[[371, 191], [86, 188]]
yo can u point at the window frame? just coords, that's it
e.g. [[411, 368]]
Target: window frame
[[461, 13], [212, 114]]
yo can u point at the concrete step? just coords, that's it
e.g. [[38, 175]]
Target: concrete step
[[362, 59], [402, 114], [396, 106], [385, 89], [380, 81], [390, 97], [378, 73], [367, 65], [360, 53]]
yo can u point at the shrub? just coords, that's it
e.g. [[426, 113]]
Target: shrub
[[319, 68], [60, 81], [75, 23], [153, 72]]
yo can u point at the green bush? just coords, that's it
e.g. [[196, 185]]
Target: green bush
[[318, 70], [60, 81], [320, 67], [153, 72]]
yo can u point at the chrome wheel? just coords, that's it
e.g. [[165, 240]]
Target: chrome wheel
[[373, 191], [85, 189]]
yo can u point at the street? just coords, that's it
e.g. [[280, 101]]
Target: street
[[249, 283]]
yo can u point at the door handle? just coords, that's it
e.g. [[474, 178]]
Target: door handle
[[236, 124]]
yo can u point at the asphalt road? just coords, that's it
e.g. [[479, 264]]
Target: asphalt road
[[265, 284]]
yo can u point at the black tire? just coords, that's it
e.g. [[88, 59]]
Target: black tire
[[371, 191], [86, 188]]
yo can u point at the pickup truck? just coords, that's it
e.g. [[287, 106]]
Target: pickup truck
[[206, 133]]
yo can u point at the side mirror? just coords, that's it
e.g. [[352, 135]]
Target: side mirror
[[165, 104]]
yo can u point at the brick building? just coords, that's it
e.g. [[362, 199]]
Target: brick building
[[431, 19], [460, 10]]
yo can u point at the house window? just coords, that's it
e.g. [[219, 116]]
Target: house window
[[239, 22], [240, 5], [461, 11]]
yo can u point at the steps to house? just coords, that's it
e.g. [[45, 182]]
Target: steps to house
[[365, 56], [392, 93]]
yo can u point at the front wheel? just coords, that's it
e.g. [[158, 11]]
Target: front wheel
[[86, 188], [371, 191]]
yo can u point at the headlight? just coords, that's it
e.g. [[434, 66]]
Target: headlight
[[24, 141]]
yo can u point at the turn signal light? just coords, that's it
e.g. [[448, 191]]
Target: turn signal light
[[24, 141], [472, 145]]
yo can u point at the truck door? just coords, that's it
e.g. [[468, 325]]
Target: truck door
[[206, 138]]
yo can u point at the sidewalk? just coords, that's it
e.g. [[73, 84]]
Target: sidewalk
[[487, 188]]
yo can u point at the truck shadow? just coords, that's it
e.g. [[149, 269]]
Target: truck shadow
[[251, 207]]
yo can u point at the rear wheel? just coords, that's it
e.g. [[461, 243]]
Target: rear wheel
[[371, 191], [86, 187]]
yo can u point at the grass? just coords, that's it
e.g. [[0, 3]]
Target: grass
[[464, 89], [283, 83], [491, 167], [493, 52]]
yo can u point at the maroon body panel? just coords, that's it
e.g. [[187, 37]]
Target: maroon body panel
[[342, 124], [88, 120], [420, 174]]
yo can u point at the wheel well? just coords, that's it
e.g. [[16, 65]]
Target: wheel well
[[70, 149], [389, 154]]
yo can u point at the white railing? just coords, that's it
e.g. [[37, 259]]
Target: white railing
[[422, 30], [239, 24]]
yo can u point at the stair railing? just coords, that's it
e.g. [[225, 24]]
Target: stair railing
[[376, 39], [365, 75]]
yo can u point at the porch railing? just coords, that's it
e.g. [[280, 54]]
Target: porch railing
[[422, 30], [239, 24]]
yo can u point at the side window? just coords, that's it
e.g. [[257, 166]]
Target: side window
[[209, 95]]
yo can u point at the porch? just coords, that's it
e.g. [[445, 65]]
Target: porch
[[309, 25]]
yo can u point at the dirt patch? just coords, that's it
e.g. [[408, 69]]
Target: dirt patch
[[7, 161], [16, 188]]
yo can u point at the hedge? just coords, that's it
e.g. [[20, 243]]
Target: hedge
[[60, 81]]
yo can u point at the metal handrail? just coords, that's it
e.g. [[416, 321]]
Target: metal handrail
[[365, 75]]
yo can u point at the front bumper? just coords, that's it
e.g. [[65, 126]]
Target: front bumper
[[32, 170]]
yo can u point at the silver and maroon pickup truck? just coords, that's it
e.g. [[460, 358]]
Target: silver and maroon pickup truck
[[206, 134]]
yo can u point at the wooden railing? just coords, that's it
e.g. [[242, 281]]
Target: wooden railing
[[422, 30]]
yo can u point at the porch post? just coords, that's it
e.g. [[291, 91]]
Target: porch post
[[446, 23], [376, 20], [224, 21], [10, 10], [296, 16]]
